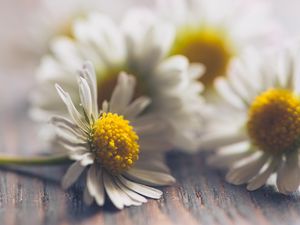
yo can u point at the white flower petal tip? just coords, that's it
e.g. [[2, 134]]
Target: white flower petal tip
[[288, 178], [197, 70], [151, 177], [72, 175], [59, 90], [89, 131]]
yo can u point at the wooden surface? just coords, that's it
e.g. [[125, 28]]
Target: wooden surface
[[33, 196]]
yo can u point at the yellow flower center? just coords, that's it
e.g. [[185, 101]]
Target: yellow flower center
[[205, 46], [274, 121], [116, 143]]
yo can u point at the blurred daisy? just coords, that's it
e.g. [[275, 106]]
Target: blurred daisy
[[139, 47], [213, 32], [50, 18], [119, 146], [259, 135]]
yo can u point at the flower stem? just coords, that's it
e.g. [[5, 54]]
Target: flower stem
[[34, 161]]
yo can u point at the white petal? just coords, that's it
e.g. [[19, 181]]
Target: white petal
[[150, 177], [77, 154], [112, 191], [157, 43], [261, 179], [56, 120], [228, 94], [72, 174], [87, 159], [136, 107], [100, 32], [118, 197], [237, 87], [172, 70], [239, 80], [127, 200], [90, 75], [65, 132], [217, 140], [68, 144], [75, 115], [95, 184], [196, 70], [242, 174], [227, 160], [141, 189], [122, 93], [131, 193], [289, 174], [148, 41], [105, 106], [85, 96]]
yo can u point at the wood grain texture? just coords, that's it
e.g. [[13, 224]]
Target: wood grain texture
[[32, 196]]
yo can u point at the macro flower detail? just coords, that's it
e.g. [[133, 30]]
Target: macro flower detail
[[274, 121], [138, 46], [208, 47], [213, 32], [115, 142], [50, 19], [121, 147], [259, 133]]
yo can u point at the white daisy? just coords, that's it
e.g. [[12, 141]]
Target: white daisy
[[50, 18], [119, 145], [138, 46], [47, 20], [213, 32], [258, 134]]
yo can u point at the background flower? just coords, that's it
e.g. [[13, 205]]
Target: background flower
[[213, 32], [258, 133], [138, 46]]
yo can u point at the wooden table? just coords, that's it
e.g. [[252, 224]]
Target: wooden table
[[33, 196]]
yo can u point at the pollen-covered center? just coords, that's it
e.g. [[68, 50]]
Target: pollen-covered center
[[116, 143], [205, 46], [274, 121]]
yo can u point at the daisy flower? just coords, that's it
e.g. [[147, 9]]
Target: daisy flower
[[213, 32], [137, 46], [258, 134], [50, 18], [119, 145]]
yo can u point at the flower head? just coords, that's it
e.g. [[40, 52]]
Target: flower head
[[138, 46], [213, 32], [120, 145], [50, 19], [259, 133]]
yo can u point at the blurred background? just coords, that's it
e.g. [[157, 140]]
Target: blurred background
[[17, 77]]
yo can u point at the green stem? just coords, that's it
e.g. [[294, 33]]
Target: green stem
[[34, 161]]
